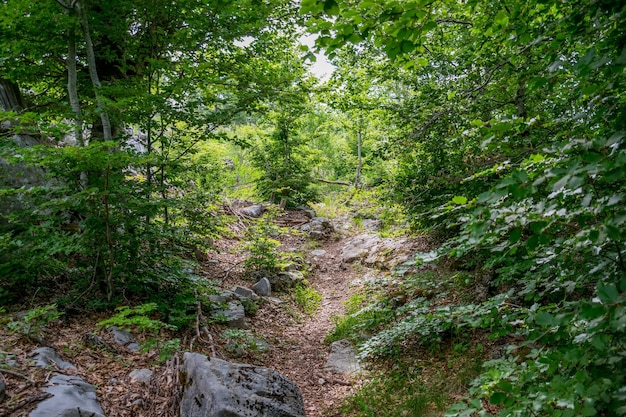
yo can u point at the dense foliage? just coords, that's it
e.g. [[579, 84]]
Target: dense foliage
[[117, 197], [499, 126], [515, 151]]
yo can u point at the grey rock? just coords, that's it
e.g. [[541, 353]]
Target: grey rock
[[372, 224], [71, 397], [216, 299], [263, 287], [216, 388], [375, 251], [244, 292], [318, 252], [309, 213], [286, 279], [121, 337], [141, 375], [359, 247], [275, 300], [253, 211], [233, 315], [46, 356], [134, 346], [342, 358], [318, 228]]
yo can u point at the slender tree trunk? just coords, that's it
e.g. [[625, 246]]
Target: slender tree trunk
[[72, 89], [93, 72], [359, 165]]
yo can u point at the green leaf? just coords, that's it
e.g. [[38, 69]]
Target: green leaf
[[505, 386], [544, 319], [497, 398], [331, 8], [608, 294], [459, 200], [428, 26], [515, 235]]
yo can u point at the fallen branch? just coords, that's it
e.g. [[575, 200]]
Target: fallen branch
[[202, 329], [33, 399], [8, 371]]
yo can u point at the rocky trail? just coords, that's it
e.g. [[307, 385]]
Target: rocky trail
[[112, 378]]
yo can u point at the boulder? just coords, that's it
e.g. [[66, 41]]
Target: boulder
[[342, 358], [318, 228], [216, 388], [358, 247], [254, 211], [286, 279], [46, 356], [233, 315], [263, 287], [376, 251], [71, 397], [243, 292]]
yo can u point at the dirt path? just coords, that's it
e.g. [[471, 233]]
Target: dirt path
[[298, 348]]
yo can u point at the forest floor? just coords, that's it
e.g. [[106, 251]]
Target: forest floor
[[297, 340]]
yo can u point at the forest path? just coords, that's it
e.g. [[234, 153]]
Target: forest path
[[299, 350]]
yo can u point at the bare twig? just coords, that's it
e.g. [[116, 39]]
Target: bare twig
[[8, 371], [30, 400]]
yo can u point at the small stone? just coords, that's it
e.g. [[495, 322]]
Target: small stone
[[275, 300], [342, 358], [318, 252], [321, 381], [137, 402], [141, 375], [263, 287], [121, 337], [134, 346], [46, 356]]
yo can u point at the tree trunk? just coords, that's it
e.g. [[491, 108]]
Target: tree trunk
[[359, 165], [72, 89], [93, 72]]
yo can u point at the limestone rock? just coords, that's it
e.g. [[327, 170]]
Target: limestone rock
[[71, 397], [286, 279], [376, 251], [254, 211], [46, 356], [215, 388], [141, 375], [121, 337], [318, 252], [318, 228], [244, 292], [263, 287], [234, 315], [342, 358]]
